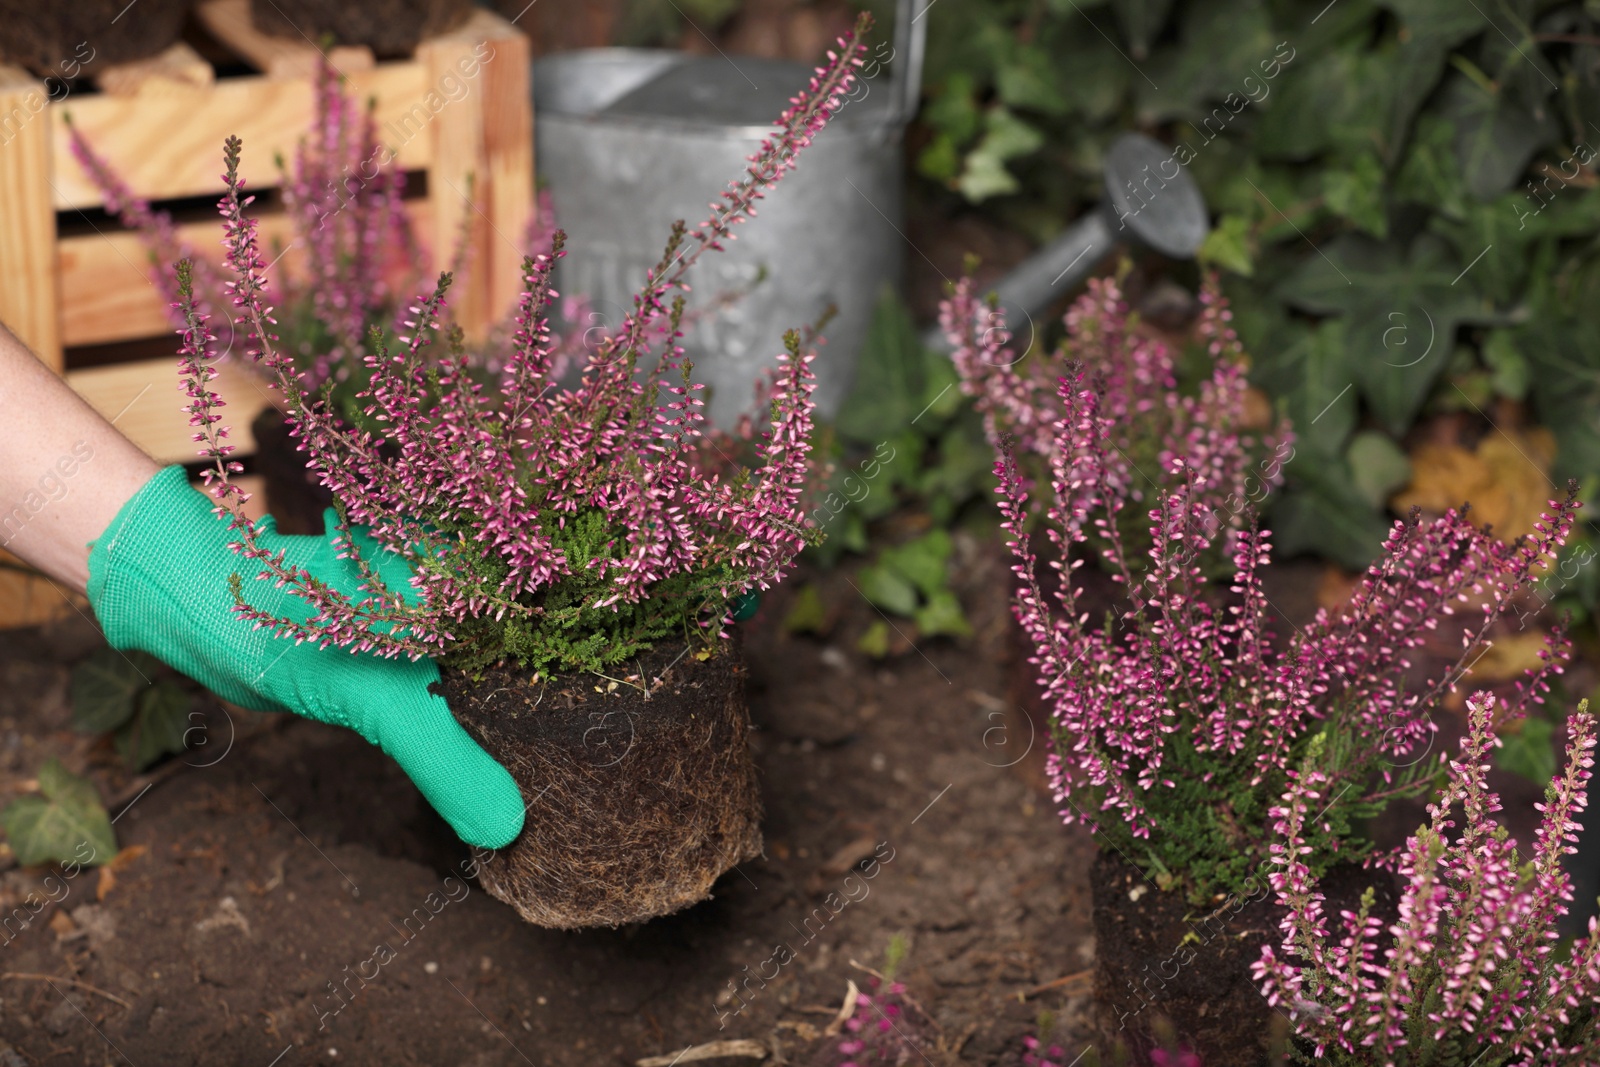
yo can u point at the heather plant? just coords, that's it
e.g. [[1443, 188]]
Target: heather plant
[[563, 529], [342, 196], [1176, 723], [1158, 406], [885, 1027], [1471, 973]]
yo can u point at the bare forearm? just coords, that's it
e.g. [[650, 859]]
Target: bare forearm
[[64, 470]]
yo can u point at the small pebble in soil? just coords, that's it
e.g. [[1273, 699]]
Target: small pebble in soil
[[431, 967], [485, 964], [541, 1000], [1137, 891], [879, 761]]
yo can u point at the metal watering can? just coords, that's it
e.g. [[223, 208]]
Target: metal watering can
[[629, 140]]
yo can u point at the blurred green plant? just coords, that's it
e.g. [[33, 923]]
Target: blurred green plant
[[910, 465], [136, 699], [1406, 189], [65, 823]]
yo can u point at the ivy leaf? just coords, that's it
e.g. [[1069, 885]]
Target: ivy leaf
[[920, 562], [159, 727], [1563, 353], [875, 640], [1221, 44], [1228, 245], [953, 109], [1005, 137], [1507, 366], [104, 687], [886, 588], [1401, 312], [940, 161], [66, 824], [1430, 175], [965, 460], [1031, 80], [806, 615], [1356, 193], [1377, 466], [1141, 21], [1447, 21], [942, 614], [1495, 135], [1531, 751], [1100, 77], [890, 375], [1311, 369], [1326, 515]]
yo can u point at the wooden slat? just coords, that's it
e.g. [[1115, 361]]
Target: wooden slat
[[145, 400], [482, 148], [106, 292], [171, 146], [179, 69], [277, 57], [29, 303], [508, 142]]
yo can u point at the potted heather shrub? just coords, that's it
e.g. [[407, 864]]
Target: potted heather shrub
[[1161, 403], [1472, 972], [1176, 723], [570, 556], [357, 253]]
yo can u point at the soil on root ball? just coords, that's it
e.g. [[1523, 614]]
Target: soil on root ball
[[638, 799], [61, 40], [1156, 957], [391, 28]]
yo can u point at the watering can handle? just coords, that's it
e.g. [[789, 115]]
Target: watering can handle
[[910, 46]]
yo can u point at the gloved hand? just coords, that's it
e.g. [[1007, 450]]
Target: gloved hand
[[158, 581]]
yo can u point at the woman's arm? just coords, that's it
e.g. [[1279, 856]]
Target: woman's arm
[[64, 470]]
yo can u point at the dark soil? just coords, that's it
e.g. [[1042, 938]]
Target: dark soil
[[641, 790], [391, 28], [259, 878], [297, 498], [62, 40], [1157, 956]]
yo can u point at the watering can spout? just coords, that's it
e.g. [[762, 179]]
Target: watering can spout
[[1149, 201]]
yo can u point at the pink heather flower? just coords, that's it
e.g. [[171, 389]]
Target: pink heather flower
[[155, 228], [1185, 714], [527, 504], [343, 197], [1153, 428], [883, 1030], [1470, 972]]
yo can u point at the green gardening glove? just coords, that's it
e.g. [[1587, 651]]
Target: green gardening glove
[[158, 580]]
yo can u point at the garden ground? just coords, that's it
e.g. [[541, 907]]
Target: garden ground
[[242, 922], [251, 890]]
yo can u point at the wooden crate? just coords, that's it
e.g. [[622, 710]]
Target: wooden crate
[[459, 111]]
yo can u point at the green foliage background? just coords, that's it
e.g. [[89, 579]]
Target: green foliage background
[[1372, 167]]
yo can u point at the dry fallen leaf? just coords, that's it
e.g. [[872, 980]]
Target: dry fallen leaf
[[1506, 479], [1509, 657], [119, 862], [1336, 587]]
